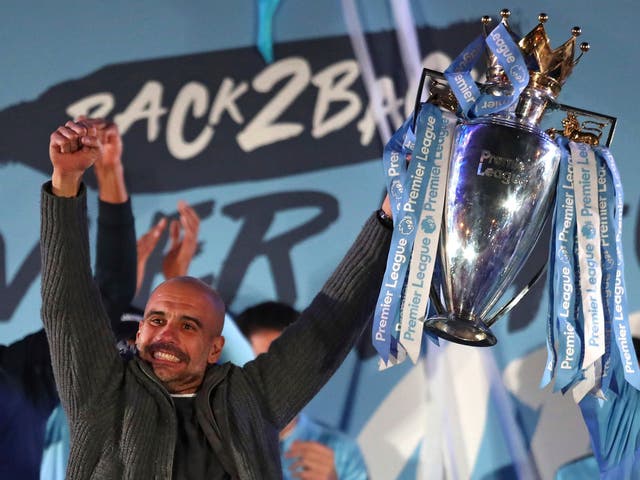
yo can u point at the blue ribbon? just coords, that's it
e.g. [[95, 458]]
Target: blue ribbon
[[472, 102], [394, 165], [566, 313], [386, 318], [617, 298], [564, 278], [606, 203], [266, 10]]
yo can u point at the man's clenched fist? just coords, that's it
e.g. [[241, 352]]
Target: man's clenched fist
[[73, 148]]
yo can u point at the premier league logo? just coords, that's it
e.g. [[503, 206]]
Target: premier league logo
[[428, 225], [406, 225], [518, 73], [396, 189], [607, 260], [589, 231]]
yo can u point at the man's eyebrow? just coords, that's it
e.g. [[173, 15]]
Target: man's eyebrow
[[193, 319], [160, 313]]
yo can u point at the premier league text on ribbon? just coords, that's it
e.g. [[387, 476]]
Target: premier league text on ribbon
[[416, 183], [565, 234], [399, 258], [422, 257], [422, 270], [587, 213], [392, 285]]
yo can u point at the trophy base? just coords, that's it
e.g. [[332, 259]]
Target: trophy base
[[460, 330]]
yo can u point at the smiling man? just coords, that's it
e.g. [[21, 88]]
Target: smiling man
[[171, 411], [180, 333]]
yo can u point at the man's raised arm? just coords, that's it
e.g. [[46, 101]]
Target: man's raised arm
[[82, 346], [310, 350]]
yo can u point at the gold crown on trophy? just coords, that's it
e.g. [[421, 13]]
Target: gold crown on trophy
[[548, 68]]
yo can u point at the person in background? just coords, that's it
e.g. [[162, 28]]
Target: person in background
[[308, 449], [183, 243], [27, 388]]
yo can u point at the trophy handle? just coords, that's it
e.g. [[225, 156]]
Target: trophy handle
[[506, 308]]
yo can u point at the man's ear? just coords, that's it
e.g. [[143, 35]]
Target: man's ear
[[216, 349], [140, 326]]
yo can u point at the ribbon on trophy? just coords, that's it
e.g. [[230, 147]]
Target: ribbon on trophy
[[424, 254], [395, 173], [588, 315], [561, 287], [617, 303], [472, 102], [408, 184]]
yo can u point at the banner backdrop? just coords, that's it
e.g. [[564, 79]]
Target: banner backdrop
[[282, 162]]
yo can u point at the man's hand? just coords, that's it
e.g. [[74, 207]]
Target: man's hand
[[181, 250], [73, 148], [146, 245], [313, 460]]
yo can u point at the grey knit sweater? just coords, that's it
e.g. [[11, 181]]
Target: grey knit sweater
[[123, 422]]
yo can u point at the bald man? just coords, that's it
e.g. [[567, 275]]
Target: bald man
[[171, 411]]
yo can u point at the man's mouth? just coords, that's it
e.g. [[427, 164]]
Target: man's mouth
[[166, 356], [166, 352]]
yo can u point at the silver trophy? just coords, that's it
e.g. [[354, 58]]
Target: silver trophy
[[500, 190]]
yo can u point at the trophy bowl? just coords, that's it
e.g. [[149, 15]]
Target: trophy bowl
[[499, 193]]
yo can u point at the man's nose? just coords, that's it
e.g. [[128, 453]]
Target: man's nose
[[168, 333]]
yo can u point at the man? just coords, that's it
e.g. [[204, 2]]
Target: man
[[183, 240], [126, 416], [27, 388], [306, 446]]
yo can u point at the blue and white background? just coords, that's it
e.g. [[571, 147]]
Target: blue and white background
[[282, 161]]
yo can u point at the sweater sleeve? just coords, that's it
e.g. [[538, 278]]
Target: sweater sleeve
[[116, 257], [309, 351], [83, 353]]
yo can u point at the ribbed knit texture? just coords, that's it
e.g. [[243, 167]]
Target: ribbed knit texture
[[122, 419]]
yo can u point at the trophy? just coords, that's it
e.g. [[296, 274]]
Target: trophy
[[501, 186]]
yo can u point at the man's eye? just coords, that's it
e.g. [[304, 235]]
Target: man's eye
[[155, 321], [188, 326]]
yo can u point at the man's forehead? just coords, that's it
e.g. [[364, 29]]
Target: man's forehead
[[185, 295]]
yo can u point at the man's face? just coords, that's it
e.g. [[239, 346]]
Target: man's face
[[261, 339], [180, 333]]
